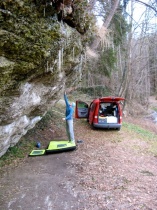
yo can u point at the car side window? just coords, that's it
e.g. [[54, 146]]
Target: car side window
[[82, 104]]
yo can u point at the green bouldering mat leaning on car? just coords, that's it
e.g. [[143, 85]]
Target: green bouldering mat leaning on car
[[55, 147]]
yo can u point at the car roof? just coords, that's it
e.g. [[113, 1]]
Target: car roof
[[108, 99]]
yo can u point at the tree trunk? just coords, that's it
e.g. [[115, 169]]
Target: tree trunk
[[106, 24]]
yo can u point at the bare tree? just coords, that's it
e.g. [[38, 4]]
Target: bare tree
[[106, 23], [137, 73]]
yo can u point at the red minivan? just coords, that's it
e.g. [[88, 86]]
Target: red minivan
[[103, 112]]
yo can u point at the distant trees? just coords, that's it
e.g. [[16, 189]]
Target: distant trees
[[102, 55], [138, 82], [153, 63], [124, 51]]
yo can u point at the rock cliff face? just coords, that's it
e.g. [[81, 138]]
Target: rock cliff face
[[39, 57]]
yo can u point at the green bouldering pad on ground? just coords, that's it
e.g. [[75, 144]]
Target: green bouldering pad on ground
[[60, 146], [37, 152], [55, 147]]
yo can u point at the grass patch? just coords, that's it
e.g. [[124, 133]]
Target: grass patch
[[145, 135], [17, 152], [155, 109], [142, 132]]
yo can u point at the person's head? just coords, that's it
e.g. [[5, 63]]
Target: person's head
[[73, 104]]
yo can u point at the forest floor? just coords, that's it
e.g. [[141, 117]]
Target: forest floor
[[110, 170]]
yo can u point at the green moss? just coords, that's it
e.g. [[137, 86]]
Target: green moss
[[30, 40], [25, 40]]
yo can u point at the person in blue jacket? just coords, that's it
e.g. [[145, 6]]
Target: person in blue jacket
[[69, 119]]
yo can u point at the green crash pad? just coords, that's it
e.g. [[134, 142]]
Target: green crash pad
[[37, 152], [54, 147], [60, 146]]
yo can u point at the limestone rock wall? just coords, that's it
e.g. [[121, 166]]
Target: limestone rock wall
[[39, 58]]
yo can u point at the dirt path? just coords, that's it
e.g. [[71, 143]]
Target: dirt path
[[117, 171], [110, 170]]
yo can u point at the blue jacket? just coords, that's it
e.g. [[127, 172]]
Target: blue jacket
[[69, 109]]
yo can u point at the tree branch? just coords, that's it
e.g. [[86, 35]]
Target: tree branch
[[147, 5]]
